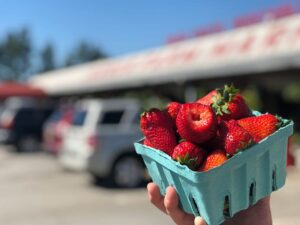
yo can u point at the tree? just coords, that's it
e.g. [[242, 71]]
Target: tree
[[15, 52], [82, 53], [47, 58]]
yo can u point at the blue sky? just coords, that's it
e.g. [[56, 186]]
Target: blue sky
[[119, 27]]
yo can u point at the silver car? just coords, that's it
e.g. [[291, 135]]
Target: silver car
[[101, 139]]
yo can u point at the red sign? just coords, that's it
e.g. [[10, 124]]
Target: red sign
[[244, 20]]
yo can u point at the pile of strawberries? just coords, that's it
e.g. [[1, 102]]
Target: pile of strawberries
[[204, 134]]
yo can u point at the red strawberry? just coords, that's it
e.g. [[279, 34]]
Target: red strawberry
[[173, 109], [196, 123], [189, 154], [260, 126], [158, 129], [227, 102], [147, 142], [208, 99], [234, 137], [237, 108], [214, 159]]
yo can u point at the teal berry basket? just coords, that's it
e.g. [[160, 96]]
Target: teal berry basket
[[223, 191]]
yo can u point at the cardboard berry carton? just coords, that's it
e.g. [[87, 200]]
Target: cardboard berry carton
[[221, 192]]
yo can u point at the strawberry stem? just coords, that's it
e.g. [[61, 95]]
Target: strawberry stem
[[281, 122], [224, 97]]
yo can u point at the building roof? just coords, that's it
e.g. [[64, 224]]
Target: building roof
[[268, 46]]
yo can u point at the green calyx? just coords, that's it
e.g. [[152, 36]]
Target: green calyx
[[186, 160], [281, 122], [223, 98]]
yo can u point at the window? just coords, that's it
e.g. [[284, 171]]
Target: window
[[79, 117], [112, 117], [55, 116]]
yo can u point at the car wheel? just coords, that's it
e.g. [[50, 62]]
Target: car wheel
[[128, 172], [28, 144]]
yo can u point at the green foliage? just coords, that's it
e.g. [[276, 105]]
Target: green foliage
[[82, 53], [252, 98], [47, 58], [291, 93], [18, 56], [149, 100], [296, 138], [15, 53]]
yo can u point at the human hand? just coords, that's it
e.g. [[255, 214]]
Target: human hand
[[169, 205], [258, 214]]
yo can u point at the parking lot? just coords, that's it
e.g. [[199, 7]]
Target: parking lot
[[36, 190]]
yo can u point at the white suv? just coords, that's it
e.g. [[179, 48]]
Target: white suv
[[101, 138]]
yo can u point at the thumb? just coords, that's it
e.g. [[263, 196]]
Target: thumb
[[199, 221]]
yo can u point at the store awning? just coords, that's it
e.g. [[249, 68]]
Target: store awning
[[12, 89], [268, 46]]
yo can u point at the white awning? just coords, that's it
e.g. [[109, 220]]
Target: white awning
[[270, 45]]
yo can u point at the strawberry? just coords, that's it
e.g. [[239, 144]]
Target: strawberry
[[234, 138], [173, 109], [196, 123], [227, 102], [208, 99], [189, 154], [260, 126], [214, 159], [147, 142], [158, 129]]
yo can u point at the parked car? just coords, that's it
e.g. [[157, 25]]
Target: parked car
[[55, 129], [21, 122], [101, 138]]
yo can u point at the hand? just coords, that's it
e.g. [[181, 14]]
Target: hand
[[258, 214], [169, 205]]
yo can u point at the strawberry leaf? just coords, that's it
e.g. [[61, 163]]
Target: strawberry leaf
[[224, 97], [281, 122]]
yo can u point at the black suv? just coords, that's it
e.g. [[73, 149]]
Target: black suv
[[22, 120]]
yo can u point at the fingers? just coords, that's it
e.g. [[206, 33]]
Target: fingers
[[171, 205], [199, 221], [155, 196]]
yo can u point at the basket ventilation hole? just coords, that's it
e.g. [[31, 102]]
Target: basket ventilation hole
[[251, 193], [194, 206], [274, 186], [226, 209]]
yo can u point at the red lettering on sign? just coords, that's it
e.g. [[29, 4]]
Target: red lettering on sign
[[175, 56], [274, 36], [153, 61], [295, 35], [221, 48], [246, 44]]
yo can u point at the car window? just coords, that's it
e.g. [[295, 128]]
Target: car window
[[25, 115], [55, 116], [79, 117], [111, 117]]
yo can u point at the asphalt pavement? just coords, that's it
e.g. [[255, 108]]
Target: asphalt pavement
[[35, 190]]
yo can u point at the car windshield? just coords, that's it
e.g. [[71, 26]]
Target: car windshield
[[79, 117]]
